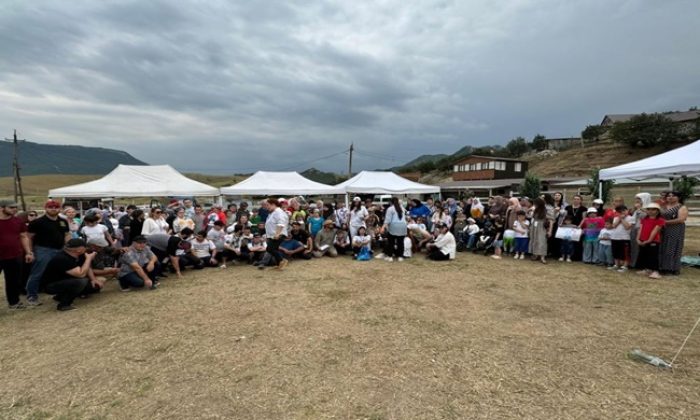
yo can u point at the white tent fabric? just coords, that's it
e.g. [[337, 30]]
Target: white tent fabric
[[372, 182], [138, 181], [675, 163], [279, 183]]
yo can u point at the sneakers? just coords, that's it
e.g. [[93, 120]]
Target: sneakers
[[622, 269], [613, 267], [522, 256], [388, 259], [18, 305], [561, 259], [568, 259], [654, 275], [380, 256], [222, 266], [283, 263], [516, 256], [125, 289], [496, 257], [64, 308], [400, 259], [32, 301]]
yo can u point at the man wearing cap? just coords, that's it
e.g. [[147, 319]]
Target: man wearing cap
[[138, 266], [325, 241], [68, 274], [48, 234], [445, 246], [14, 242], [125, 224], [103, 265]]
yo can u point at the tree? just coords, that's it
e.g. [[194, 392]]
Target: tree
[[594, 186], [516, 147], [531, 186], [539, 143], [685, 186], [592, 132], [426, 166], [645, 130]]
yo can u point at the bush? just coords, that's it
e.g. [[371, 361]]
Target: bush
[[685, 186], [531, 186], [592, 132], [645, 130], [594, 186]]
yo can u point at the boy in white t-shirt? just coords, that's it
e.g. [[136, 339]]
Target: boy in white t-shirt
[[96, 232], [204, 249], [622, 224], [605, 245], [521, 226]]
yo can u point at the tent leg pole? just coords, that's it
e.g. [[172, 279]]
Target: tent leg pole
[[600, 189]]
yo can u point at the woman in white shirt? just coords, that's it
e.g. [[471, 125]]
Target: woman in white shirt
[[361, 241], [154, 223], [357, 215]]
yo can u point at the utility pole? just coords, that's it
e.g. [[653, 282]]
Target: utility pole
[[17, 180], [352, 147]]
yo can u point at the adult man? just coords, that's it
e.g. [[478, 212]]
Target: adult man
[[103, 264], [302, 236], [48, 233], [445, 246], [174, 248], [276, 227], [68, 275], [14, 242], [325, 241], [138, 266], [125, 224]]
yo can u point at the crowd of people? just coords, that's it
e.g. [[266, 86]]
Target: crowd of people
[[69, 257]]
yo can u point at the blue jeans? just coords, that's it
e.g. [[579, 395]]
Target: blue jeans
[[590, 252], [521, 245], [471, 241], [134, 280], [567, 248], [605, 254], [42, 256]]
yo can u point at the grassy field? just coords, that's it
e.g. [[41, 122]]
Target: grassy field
[[362, 340]]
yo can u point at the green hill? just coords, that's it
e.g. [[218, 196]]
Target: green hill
[[37, 159]]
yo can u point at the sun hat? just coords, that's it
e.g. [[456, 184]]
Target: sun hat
[[357, 199], [328, 223], [653, 206], [592, 210]]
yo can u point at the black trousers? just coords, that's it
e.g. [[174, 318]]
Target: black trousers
[[12, 269], [437, 255], [648, 258], [67, 290], [273, 246], [394, 246]]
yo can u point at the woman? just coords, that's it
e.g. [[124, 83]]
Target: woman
[[155, 223], [358, 214], [477, 209], [577, 213], [395, 228], [553, 245], [441, 216], [182, 222], [641, 201], [498, 208], [69, 216], [540, 230], [673, 236]]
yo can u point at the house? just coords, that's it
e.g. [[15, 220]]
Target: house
[[686, 120], [488, 167]]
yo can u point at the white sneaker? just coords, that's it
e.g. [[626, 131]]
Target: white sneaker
[[496, 257], [380, 256], [400, 259], [222, 266], [568, 259], [561, 258], [613, 267], [388, 259], [522, 256], [515, 256]]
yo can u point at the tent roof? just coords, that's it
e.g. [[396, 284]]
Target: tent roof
[[370, 182], [678, 162], [279, 183], [138, 181]]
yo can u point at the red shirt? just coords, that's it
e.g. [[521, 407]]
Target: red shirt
[[10, 244], [648, 224], [610, 214]]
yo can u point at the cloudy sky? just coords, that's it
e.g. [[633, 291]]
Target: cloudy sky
[[236, 86]]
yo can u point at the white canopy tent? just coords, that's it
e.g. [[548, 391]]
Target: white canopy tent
[[684, 161], [279, 183], [138, 181], [372, 182]]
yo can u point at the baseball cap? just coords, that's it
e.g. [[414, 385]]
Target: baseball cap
[[8, 203], [52, 204], [75, 243], [140, 239]]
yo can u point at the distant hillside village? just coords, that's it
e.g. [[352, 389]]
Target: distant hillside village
[[619, 138]]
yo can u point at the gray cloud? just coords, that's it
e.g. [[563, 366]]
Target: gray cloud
[[238, 86]]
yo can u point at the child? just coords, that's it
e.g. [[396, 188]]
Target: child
[[256, 249], [315, 222], [591, 225], [204, 250], [98, 233], [342, 241], [460, 222], [500, 228], [567, 245], [361, 241], [605, 256], [649, 239], [217, 235], [521, 226], [471, 231], [622, 225]]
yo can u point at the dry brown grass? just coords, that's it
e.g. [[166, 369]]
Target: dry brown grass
[[374, 340]]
